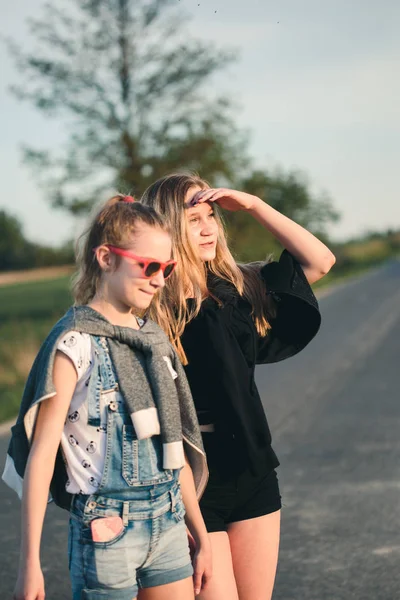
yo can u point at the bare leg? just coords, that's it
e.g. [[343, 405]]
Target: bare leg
[[254, 547], [222, 585], [178, 590]]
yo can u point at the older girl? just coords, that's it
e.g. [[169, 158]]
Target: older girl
[[225, 318]]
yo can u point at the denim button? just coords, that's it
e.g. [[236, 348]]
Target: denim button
[[113, 406], [92, 505]]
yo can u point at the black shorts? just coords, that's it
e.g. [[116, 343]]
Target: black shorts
[[235, 497]]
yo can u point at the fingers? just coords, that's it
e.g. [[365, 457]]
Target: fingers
[[202, 574], [206, 579], [197, 198], [197, 579], [209, 195]]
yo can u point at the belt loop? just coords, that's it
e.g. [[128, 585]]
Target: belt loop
[[125, 512], [173, 501]]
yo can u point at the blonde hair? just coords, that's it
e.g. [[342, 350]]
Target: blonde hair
[[170, 309], [113, 224]]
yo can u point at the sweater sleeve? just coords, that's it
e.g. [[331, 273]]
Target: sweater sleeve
[[297, 318]]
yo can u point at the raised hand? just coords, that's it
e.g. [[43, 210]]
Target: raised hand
[[232, 200]]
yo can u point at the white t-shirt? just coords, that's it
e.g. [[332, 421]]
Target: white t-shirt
[[83, 445]]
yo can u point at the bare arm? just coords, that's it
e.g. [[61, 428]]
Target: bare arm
[[38, 475], [315, 258], [197, 528]]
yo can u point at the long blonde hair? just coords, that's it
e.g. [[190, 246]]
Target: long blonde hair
[[170, 308], [113, 224]]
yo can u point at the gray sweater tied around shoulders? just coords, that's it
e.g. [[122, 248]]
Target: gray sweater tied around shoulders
[[156, 402]]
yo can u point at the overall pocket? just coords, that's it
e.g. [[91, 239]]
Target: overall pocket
[[142, 459], [100, 514]]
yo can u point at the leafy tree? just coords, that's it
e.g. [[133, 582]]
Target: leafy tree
[[16, 252], [135, 92], [13, 246]]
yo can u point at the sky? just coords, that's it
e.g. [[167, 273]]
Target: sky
[[318, 89]]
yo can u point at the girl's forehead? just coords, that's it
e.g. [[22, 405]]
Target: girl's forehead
[[149, 237]]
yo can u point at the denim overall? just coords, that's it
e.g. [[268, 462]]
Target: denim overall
[[152, 549]]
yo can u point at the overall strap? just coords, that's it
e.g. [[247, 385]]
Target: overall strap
[[102, 379]]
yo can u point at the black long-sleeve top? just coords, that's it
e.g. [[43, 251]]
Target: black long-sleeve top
[[223, 347]]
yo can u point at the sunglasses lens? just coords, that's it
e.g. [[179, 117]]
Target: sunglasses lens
[[152, 268], [168, 270]]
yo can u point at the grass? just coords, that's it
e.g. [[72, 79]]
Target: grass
[[34, 300], [27, 313]]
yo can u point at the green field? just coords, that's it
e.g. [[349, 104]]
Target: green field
[[27, 313]]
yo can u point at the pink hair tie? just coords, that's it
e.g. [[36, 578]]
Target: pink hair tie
[[129, 199]]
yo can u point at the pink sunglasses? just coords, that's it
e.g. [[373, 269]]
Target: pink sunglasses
[[150, 266]]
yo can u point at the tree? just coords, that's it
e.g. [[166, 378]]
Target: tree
[[13, 246], [289, 193], [135, 93], [16, 252]]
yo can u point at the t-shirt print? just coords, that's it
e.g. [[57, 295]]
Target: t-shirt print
[[83, 446]]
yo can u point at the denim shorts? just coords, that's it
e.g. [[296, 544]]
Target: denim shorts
[[151, 550]]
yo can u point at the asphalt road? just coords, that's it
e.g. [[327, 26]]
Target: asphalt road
[[334, 412]]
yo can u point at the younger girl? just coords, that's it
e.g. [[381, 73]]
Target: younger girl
[[103, 422]]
